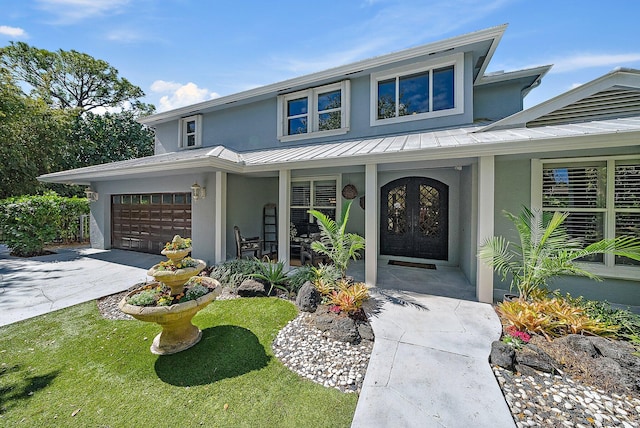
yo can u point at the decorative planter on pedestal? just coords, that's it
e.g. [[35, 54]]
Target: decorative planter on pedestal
[[178, 333]]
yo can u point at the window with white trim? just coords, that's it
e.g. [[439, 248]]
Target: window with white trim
[[602, 197], [191, 132], [314, 112], [319, 194], [422, 91]]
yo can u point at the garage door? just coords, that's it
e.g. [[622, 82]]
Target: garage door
[[145, 222]]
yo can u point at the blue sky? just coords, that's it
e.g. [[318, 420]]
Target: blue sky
[[184, 51]]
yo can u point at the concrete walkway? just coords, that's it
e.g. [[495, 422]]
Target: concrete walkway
[[39, 285], [429, 366]]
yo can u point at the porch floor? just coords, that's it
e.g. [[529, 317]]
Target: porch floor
[[443, 281]]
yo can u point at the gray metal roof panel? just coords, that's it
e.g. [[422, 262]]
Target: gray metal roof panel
[[423, 143]]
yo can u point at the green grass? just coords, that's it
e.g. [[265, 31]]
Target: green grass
[[75, 362]]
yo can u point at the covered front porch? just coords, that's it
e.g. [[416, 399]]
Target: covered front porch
[[469, 220], [444, 281]]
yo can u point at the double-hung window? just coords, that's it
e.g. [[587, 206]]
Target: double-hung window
[[602, 197], [318, 193], [421, 91], [190, 132], [314, 112]]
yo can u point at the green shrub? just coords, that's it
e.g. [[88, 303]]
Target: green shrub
[[231, 273], [299, 276], [627, 321], [28, 223], [70, 211]]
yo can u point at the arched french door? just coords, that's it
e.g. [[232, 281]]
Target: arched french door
[[414, 214]]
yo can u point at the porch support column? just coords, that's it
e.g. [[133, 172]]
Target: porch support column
[[220, 222], [371, 225], [486, 209], [284, 217]]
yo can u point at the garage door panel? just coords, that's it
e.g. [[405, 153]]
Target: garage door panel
[[145, 222]]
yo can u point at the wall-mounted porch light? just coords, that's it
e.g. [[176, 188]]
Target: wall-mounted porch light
[[198, 192], [91, 195]]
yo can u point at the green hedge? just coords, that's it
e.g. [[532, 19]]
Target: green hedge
[[27, 223]]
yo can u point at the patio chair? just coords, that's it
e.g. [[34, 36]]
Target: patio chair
[[307, 254], [247, 245]]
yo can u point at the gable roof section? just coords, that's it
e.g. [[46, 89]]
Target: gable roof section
[[614, 95], [491, 36]]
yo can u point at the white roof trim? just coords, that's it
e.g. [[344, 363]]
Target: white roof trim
[[504, 76], [620, 77], [494, 33]]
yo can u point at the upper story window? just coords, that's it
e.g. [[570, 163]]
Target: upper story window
[[420, 91], [190, 132], [602, 197], [314, 112]]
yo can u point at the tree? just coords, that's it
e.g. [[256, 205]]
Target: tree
[[68, 79], [108, 137], [546, 250], [32, 138], [335, 242]]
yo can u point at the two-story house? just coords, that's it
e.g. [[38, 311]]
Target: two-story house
[[430, 147]]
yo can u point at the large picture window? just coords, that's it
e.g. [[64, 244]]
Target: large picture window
[[418, 92], [314, 112], [602, 197]]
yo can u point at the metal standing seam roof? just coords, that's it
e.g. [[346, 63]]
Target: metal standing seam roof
[[417, 146]]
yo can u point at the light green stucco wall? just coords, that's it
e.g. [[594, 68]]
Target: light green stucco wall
[[512, 191], [246, 196]]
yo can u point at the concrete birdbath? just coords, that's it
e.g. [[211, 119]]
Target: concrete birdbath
[[173, 300]]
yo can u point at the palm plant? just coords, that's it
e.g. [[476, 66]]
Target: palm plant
[[546, 250], [335, 242]]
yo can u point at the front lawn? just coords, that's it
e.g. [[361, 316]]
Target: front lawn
[[75, 368]]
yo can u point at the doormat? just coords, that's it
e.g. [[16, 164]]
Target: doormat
[[412, 264]]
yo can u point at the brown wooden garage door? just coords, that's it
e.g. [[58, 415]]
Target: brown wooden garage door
[[145, 222]]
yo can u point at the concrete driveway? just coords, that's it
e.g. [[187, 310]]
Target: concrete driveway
[[34, 286]]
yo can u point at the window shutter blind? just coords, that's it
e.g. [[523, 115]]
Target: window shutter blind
[[627, 204], [627, 187], [324, 193], [301, 193], [574, 187]]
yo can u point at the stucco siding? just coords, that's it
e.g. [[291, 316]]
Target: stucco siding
[[467, 218], [494, 102], [513, 190], [253, 125], [202, 210], [246, 196]]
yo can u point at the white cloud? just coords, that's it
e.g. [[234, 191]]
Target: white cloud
[[179, 95], [12, 31], [576, 85], [378, 34], [583, 61], [125, 36], [69, 11]]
